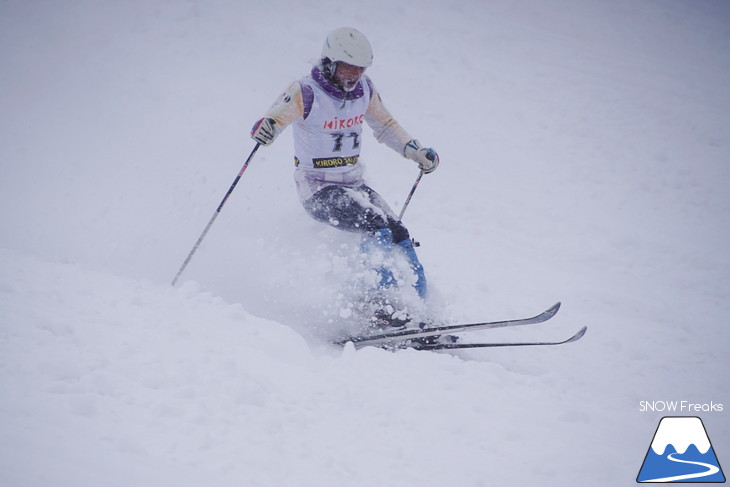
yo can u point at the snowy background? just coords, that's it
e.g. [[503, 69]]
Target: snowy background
[[585, 150]]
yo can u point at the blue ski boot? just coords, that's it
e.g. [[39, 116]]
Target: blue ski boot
[[408, 248], [381, 240]]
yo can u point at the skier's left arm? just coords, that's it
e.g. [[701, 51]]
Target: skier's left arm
[[388, 131]]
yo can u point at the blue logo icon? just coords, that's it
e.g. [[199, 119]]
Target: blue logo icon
[[681, 452]]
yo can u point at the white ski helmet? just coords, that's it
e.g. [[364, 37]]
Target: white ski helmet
[[348, 45]]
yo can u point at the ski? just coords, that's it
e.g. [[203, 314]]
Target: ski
[[403, 334], [461, 346]]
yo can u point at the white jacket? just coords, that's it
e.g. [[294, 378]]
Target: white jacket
[[327, 124]]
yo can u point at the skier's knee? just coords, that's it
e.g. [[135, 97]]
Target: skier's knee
[[399, 231]]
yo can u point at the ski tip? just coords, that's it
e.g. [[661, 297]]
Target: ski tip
[[548, 313], [578, 335]]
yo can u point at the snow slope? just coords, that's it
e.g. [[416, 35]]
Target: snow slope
[[584, 151]]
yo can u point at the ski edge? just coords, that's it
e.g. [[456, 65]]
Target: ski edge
[[405, 334], [461, 346]]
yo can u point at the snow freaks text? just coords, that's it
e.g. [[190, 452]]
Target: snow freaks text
[[680, 407]]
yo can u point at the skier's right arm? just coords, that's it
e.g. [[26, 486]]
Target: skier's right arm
[[285, 110]]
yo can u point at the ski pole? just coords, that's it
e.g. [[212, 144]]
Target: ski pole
[[410, 195], [215, 215]]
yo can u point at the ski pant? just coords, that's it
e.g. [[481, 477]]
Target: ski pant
[[355, 209]]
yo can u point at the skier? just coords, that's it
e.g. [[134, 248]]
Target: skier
[[327, 109]]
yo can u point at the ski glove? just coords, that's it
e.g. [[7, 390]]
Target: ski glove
[[426, 158], [264, 131]]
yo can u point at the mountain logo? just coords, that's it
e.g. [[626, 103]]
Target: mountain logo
[[681, 452]]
